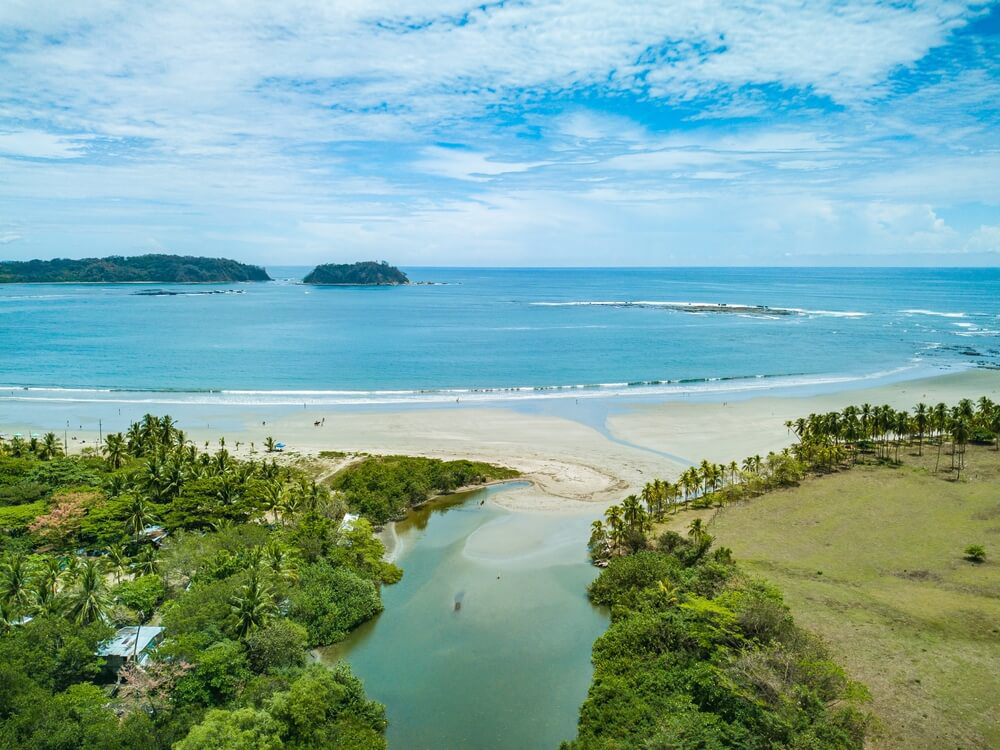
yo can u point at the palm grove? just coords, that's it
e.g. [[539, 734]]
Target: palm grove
[[700, 655], [245, 564]]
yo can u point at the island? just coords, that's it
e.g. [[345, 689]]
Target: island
[[116, 269], [365, 273]]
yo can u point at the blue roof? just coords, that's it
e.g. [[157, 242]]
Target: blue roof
[[124, 643]]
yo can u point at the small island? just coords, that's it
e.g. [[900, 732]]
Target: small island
[[116, 269], [365, 273]]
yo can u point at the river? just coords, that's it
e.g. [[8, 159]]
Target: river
[[485, 643]]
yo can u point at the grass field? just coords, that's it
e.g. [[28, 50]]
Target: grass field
[[872, 560]]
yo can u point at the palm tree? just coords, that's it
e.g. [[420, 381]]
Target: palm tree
[[252, 607], [50, 446], [921, 418], [598, 543], [269, 444], [15, 579], [46, 584], [117, 560], [140, 515], [89, 600], [939, 418], [632, 513], [696, 530], [960, 435], [115, 450], [614, 518], [145, 562]]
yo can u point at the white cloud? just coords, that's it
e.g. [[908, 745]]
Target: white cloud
[[984, 239], [465, 165], [41, 145], [289, 127]]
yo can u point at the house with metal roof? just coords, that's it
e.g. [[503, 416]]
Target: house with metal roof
[[130, 643]]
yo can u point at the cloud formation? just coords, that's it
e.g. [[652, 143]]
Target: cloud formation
[[509, 132]]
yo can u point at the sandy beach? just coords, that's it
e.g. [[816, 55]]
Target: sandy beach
[[572, 465]]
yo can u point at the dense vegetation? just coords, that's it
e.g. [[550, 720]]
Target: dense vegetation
[[873, 560], [698, 655], [368, 272], [385, 487], [826, 442], [256, 567], [140, 268]]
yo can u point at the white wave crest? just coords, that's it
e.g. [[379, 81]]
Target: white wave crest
[[935, 313]]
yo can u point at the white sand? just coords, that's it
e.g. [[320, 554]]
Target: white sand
[[723, 433], [572, 467]]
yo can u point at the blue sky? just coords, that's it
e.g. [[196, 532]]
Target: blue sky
[[443, 132]]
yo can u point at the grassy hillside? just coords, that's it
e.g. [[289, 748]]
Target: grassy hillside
[[872, 560]]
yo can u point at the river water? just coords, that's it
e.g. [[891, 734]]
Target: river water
[[485, 643]]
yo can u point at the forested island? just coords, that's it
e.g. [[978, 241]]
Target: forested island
[[364, 273], [116, 269]]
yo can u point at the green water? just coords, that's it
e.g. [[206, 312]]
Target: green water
[[509, 668]]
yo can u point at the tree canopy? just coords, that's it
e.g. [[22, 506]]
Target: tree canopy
[[150, 268]]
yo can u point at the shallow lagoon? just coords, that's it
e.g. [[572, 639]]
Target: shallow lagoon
[[510, 666]]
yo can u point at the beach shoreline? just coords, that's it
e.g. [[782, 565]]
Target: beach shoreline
[[577, 457]]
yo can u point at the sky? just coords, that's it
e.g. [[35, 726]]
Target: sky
[[532, 133]]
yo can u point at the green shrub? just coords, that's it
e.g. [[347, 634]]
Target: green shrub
[[975, 553], [331, 601]]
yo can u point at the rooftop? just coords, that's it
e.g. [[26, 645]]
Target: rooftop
[[124, 642]]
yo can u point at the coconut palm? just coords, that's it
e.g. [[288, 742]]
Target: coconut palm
[[15, 582], [115, 450], [696, 530], [252, 607], [145, 562], [960, 432], [140, 514], [45, 585], [118, 561], [50, 446], [89, 600], [633, 514], [615, 528], [921, 418]]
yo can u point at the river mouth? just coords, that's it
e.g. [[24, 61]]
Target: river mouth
[[485, 643]]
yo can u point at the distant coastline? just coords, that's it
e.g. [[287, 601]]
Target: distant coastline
[[139, 269]]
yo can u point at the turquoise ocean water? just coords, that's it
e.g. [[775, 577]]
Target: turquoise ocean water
[[483, 334]]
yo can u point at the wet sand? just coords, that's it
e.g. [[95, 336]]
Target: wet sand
[[573, 464]]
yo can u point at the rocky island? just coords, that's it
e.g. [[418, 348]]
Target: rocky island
[[365, 273], [116, 269]]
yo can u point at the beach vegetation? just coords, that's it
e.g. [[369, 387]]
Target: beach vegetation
[[244, 564], [383, 488], [700, 655]]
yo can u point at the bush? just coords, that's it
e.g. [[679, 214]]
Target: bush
[[276, 645], [975, 553], [331, 601]]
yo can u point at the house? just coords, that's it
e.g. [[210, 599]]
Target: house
[[128, 643], [155, 534], [347, 523]]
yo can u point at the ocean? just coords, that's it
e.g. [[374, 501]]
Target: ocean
[[492, 334]]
